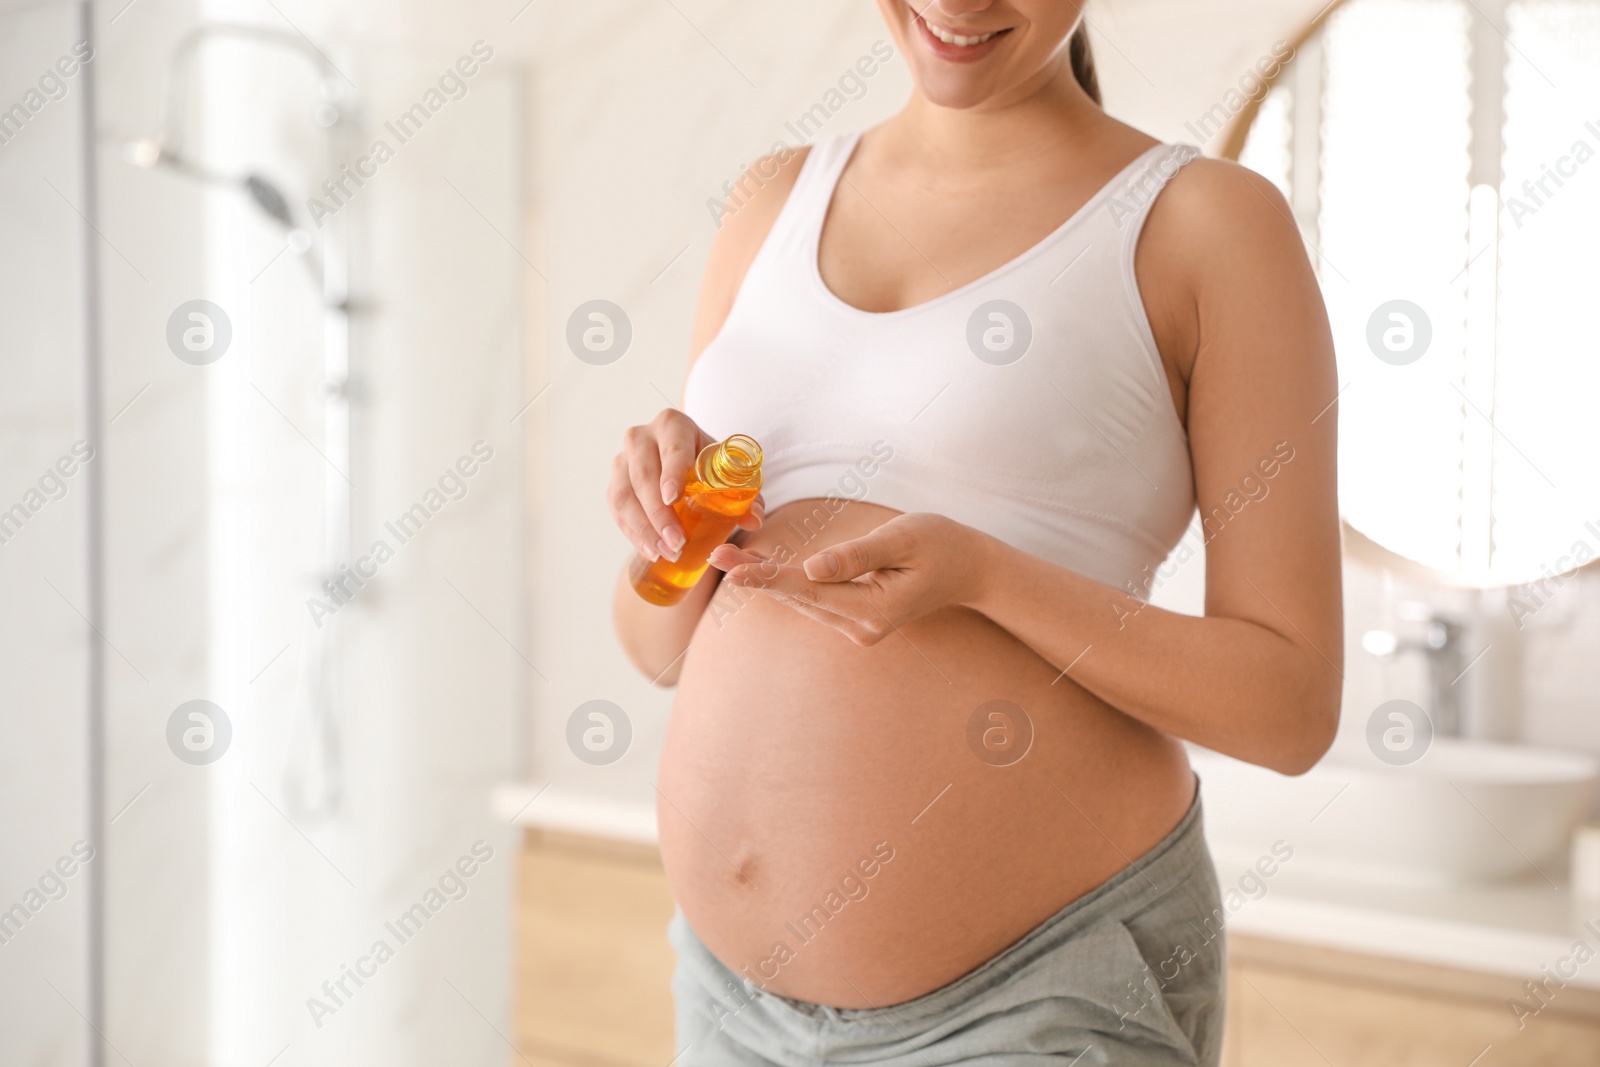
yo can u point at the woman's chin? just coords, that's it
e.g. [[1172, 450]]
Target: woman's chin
[[963, 87], [957, 90]]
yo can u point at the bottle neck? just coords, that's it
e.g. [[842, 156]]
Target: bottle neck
[[731, 464]]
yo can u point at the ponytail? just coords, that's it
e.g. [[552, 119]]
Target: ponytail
[[1083, 62]]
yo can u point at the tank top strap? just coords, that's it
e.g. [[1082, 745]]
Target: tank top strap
[[1131, 202], [813, 188], [782, 260]]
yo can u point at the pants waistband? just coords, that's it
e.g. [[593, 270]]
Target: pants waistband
[[1136, 888]]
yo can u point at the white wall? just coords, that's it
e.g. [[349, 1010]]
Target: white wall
[[43, 641], [159, 850], [1164, 63]]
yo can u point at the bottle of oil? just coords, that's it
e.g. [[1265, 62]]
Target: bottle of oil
[[724, 483]]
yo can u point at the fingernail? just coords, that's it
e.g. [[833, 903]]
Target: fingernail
[[650, 553], [673, 540], [822, 565], [669, 493]]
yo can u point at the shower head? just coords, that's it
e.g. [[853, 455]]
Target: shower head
[[339, 108], [268, 199], [148, 153]]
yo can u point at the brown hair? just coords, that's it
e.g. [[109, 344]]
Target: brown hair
[[1083, 62]]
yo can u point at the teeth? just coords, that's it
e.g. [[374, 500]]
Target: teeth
[[955, 38]]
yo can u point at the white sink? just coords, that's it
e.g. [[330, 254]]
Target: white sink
[[1466, 812]]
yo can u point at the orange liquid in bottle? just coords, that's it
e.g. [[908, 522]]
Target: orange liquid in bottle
[[725, 481]]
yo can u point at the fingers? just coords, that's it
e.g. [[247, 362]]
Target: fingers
[[792, 584], [640, 473], [727, 556], [842, 607], [644, 476], [804, 598], [752, 519], [850, 559], [628, 515], [652, 464], [679, 443]]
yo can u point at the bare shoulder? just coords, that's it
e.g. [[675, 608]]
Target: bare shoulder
[[1226, 279], [1217, 214], [743, 222]]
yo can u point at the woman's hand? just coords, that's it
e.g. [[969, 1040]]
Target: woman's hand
[[647, 476], [869, 586]]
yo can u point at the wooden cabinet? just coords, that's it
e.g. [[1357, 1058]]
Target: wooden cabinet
[[594, 971], [1290, 1005], [593, 964]]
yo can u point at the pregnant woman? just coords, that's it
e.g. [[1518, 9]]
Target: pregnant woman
[[923, 798]]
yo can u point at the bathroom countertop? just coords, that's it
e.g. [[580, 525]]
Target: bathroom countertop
[[573, 811], [1512, 929]]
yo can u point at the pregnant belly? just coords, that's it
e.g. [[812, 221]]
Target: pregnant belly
[[860, 826]]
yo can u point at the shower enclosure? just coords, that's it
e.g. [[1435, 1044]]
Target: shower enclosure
[[237, 747]]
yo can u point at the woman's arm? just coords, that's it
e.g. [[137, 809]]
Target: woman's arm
[[655, 638], [1259, 676], [648, 474]]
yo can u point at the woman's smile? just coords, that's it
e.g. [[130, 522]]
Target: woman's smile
[[957, 44]]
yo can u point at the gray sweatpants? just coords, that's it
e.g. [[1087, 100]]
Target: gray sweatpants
[[1128, 975]]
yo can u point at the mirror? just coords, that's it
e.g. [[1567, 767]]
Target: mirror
[[1460, 275]]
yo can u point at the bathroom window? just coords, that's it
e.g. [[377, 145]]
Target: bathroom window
[[1442, 158]]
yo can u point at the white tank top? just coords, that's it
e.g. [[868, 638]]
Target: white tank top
[[1030, 404]]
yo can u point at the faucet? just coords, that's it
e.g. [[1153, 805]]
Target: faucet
[[1440, 646]]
